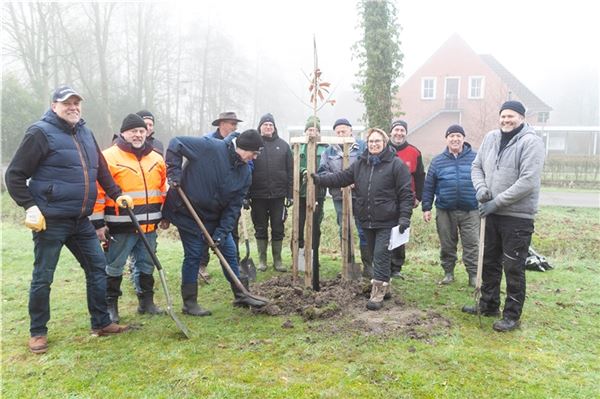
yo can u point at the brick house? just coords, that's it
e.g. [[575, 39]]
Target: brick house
[[456, 85]]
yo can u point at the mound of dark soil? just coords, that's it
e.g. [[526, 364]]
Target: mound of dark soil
[[343, 303]]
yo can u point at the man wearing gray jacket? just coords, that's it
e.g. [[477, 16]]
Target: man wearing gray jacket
[[506, 175]]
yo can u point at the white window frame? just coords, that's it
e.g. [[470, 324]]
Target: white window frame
[[428, 79], [482, 89], [457, 78]]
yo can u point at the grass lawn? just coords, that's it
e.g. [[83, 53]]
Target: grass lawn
[[236, 354]]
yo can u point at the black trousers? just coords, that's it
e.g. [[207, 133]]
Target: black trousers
[[265, 211], [507, 241], [316, 232], [398, 256]]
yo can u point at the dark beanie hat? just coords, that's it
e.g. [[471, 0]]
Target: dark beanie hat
[[249, 140], [399, 122], [341, 121], [266, 118], [145, 114], [132, 121], [515, 106], [455, 129]]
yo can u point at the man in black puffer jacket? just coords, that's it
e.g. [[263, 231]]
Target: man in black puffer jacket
[[270, 192]]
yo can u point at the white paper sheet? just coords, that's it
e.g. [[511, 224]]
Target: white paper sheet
[[397, 239]]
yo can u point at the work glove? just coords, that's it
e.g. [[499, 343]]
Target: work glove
[[217, 238], [125, 201], [288, 202], [403, 224], [487, 208], [246, 202], [483, 195], [316, 178], [34, 219]]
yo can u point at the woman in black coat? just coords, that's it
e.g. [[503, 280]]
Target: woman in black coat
[[384, 200]]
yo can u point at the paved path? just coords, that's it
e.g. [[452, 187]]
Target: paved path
[[572, 199]]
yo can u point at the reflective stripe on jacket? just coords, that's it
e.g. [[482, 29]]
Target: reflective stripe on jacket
[[143, 180]]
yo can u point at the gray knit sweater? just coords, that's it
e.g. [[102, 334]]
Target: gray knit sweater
[[513, 176]]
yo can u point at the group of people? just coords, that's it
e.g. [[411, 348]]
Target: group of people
[[76, 195]]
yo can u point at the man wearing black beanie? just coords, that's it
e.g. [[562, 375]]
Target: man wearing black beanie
[[141, 173], [271, 192], [216, 179], [506, 175], [156, 144]]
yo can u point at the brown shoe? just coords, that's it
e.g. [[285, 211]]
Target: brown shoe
[[38, 344], [112, 328]]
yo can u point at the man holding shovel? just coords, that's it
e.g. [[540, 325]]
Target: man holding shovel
[[141, 173], [216, 179], [507, 178]]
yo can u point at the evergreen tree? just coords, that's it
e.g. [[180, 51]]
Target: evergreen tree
[[380, 60]]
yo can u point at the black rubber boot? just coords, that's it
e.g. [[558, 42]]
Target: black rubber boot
[[189, 294], [505, 325], [276, 251], [243, 300], [261, 245], [366, 257], [113, 292], [472, 309], [146, 297]]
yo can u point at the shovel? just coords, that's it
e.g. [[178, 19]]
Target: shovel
[[247, 264], [477, 293], [215, 249], [163, 279], [354, 269]]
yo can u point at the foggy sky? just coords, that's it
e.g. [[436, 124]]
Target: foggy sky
[[540, 42]]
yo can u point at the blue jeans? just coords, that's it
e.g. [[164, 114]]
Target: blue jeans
[[130, 243], [337, 204], [378, 241], [80, 238], [194, 247]]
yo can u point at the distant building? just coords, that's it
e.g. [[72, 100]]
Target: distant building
[[570, 140], [456, 85]]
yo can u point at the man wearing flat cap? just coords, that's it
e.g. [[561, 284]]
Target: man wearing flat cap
[[216, 179], [507, 178], [449, 182], [61, 159]]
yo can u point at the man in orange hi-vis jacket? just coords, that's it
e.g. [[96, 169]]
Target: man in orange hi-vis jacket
[[141, 173]]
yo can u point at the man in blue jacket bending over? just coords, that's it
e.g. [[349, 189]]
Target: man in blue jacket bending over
[[216, 178]]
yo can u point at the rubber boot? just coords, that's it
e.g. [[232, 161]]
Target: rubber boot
[[189, 294], [113, 292], [146, 297], [366, 257], [262, 254], [448, 278], [276, 251], [243, 300], [378, 291]]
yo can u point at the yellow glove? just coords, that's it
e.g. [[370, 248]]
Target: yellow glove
[[125, 199], [34, 219]]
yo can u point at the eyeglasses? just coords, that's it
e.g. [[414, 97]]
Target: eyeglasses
[[375, 141]]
